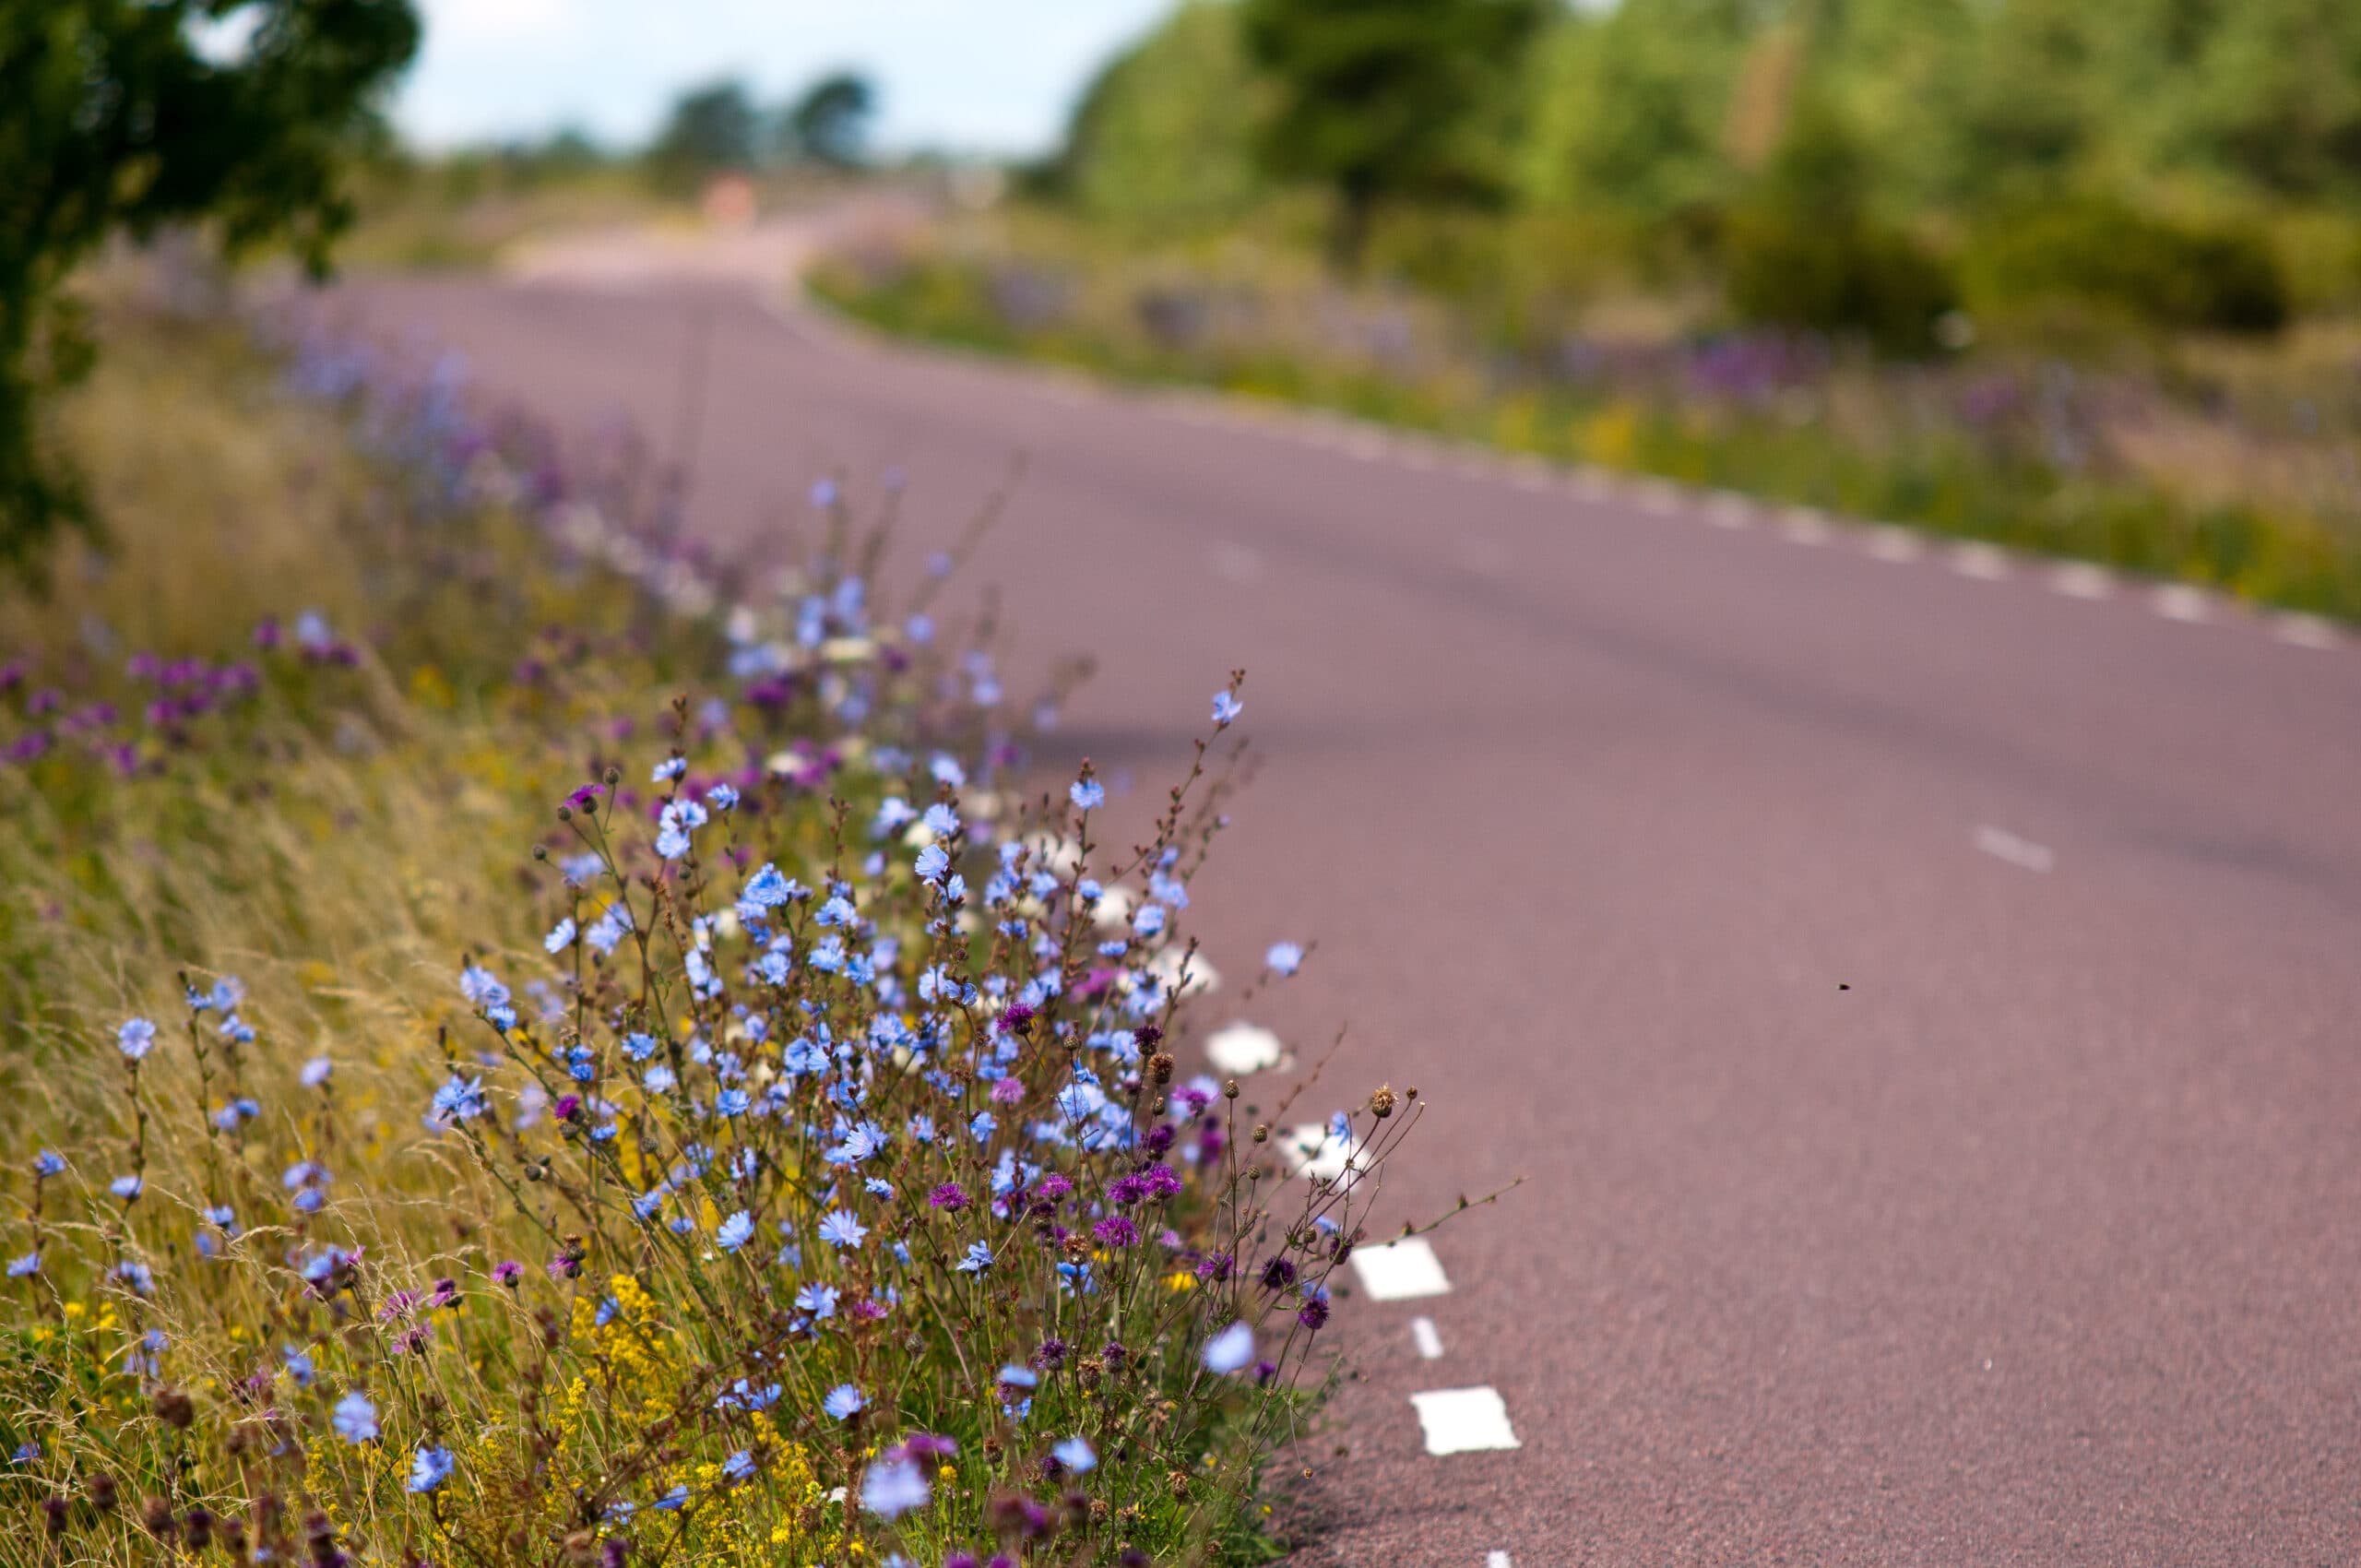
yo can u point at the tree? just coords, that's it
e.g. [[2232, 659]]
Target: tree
[[1386, 100], [1165, 133], [710, 128], [830, 123], [1634, 112], [123, 116]]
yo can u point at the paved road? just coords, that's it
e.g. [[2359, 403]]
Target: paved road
[[2040, 1244]]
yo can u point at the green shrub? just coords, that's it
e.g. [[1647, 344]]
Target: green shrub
[[1788, 268], [2110, 259]]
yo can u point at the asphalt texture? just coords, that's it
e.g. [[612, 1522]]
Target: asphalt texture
[[1888, 1200]]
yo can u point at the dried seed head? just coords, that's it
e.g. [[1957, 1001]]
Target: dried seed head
[[174, 1409], [1262, 1134], [1160, 1066], [156, 1514], [1229, 1089], [103, 1492], [1177, 1481], [1381, 1104]]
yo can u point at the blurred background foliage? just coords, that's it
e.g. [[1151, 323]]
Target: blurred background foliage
[[125, 116], [2079, 278], [1837, 163]]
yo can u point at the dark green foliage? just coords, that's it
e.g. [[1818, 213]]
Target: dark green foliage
[[830, 123], [114, 120], [1380, 99], [2105, 258], [1848, 274], [1807, 251], [710, 129]]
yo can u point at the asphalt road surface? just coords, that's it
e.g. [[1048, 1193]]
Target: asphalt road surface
[[1924, 996]]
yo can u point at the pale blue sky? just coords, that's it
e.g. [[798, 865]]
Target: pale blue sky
[[960, 75]]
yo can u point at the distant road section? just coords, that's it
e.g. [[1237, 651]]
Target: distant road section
[[1923, 989]]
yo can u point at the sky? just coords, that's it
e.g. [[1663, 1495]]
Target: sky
[[959, 76]]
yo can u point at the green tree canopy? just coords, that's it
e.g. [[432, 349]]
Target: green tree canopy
[[1382, 100], [121, 116], [710, 128], [1635, 108], [1165, 134], [829, 123]]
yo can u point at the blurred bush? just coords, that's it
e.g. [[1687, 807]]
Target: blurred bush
[[1851, 275], [2111, 261], [1806, 249]]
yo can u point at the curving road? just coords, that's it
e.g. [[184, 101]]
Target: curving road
[[1923, 993]]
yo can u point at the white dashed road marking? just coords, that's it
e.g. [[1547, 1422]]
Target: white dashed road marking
[[2305, 631], [1236, 1050], [1659, 499], [1423, 1336], [1981, 562], [1401, 1271], [1495, 1559], [1728, 510], [1805, 525], [1895, 545], [2023, 853], [2080, 580], [1465, 1421], [1313, 1153], [2179, 602]]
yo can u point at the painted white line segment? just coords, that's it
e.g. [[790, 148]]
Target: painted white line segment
[[2178, 601], [1465, 1421], [1495, 1559], [1805, 525], [1237, 1049], [2079, 579], [1400, 1271], [1423, 1336], [1313, 1153], [1658, 499], [2306, 631], [1981, 562], [1729, 511], [2023, 853], [1895, 545]]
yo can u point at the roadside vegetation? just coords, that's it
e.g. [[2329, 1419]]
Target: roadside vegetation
[[526, 1045], [2081, 280]]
